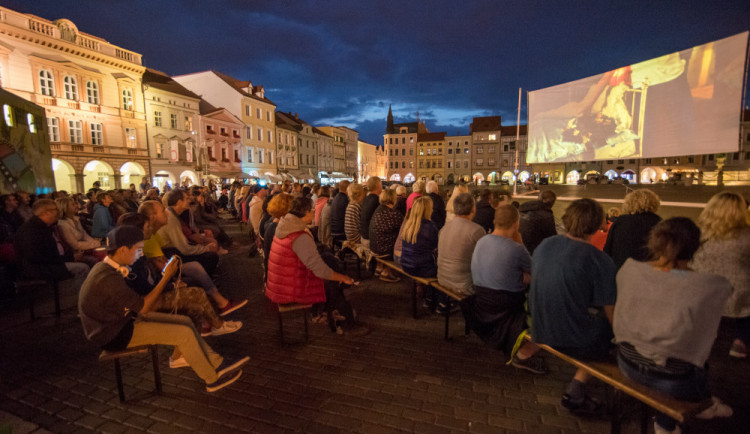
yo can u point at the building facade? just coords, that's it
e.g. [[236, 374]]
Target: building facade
[[91, 93], [337, 134], [249, 104], [351, 139], [325, 153], [400, 146], [171, 115], [367, 164], [221, 154], [485, 136], [431, 157], [458, 159]]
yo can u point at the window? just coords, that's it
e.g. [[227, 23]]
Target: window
[[97, 138], [247, 109], [260, 135], [30, 123], [440, 151], [127, 99], [270, 157], [268, 116], [257, 112], [411, 152], [46, 84], [53, 125], [173, 121], [92, 92], [466, 151], [403, 152], [440, 164], [479, 161], [391, 164], [260, 156], [480, 149], [250, 152], [491, 150], [391, 142], [691, 159], [421, 152], [505, 148], [157, 119], [493, 137], [8, 115], [391, 152], [449, 164], [75, 131], [421, 164], [189, 124], [249, 132], [490, 161], [505, 163], [130, 137], [411, 140], [160, 150], [403, 164], [70, 87], [466, 164], [270, 138]]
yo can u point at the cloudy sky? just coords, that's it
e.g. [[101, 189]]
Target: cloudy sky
[[344, 62]]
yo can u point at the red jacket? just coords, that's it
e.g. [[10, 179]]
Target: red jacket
[[289, 280]]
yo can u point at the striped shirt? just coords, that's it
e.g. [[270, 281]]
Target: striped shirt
[[351, 222]]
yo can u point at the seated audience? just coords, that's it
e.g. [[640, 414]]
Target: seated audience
[[600, 237], [356, 195], [501, 272], [485, 213], [73, 234], [177, 297], [726, 251], [207, 221], [572, 297], [24, 205], [105, 297], [41, 250], [438, 204], [667, 317], [537, 220], [401, 199], [102, 216], [192, 271], [384, 227], [324, 194], [449, 211], [10, 218], [456, 243], [628, 236], [339, 205], [417, 189], [278, 207], [419, 242], [369, 204], [174, 241]]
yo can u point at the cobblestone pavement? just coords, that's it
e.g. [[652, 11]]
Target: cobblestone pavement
[[403, 377]]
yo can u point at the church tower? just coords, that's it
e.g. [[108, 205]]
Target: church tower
[[389, 126]]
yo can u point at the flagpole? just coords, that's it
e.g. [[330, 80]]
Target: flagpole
[[518, 138]]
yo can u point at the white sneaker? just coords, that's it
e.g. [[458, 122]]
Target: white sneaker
[[659, 430], [226, 328], [717, 409], [178, 363]]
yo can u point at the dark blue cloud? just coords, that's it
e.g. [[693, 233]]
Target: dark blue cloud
[[346, 61]]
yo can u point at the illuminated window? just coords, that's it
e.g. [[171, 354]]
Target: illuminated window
[[46, 84], [160, 150], [411, 139], [130, 137], [71, 87], [493, 137], [189, 124], [127, 99], [53, 127], [75, 131], [157, 119], [8, 115], [172, 120], [466, 151], [479, 161], [30, 123], [97, 137], [421, 152], [92, 92]]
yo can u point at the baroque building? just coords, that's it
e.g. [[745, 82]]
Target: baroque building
[[91, 92]]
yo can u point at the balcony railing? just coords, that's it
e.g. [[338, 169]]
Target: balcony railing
[[40, 27]]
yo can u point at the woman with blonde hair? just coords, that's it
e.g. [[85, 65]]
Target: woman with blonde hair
[[356, 193], [72, 231], [628, 236], [419, 241], [450, 215], [726, 251]]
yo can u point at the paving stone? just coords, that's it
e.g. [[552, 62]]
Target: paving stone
[[505, 422], [90, 421]]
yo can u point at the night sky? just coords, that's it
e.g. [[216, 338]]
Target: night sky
[[343, 62]]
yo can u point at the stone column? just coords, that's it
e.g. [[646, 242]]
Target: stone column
[[118, 180], [79, 186]]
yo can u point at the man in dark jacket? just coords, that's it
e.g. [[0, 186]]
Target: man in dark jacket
[[438, 204], [368, 207], [485, 214], [537, 220], [338, 212], [41, 250]]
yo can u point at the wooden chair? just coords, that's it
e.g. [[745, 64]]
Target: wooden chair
[[117, 355]]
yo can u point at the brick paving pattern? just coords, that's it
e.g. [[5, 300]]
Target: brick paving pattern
[[403, 377]]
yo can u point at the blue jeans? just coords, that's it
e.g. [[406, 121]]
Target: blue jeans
[[690, 387]]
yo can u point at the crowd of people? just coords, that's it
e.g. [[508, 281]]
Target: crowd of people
[[625, 284]]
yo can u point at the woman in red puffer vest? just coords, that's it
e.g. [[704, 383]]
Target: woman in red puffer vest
[[295, 269]]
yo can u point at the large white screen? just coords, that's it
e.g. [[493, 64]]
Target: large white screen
[[683, 103]]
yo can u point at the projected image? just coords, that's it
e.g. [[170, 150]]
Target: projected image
[[679, 104]]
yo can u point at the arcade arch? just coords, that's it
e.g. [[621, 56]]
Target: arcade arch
[[97, 170], [64, 175]]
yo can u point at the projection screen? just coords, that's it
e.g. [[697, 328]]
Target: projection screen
[[684, 103]]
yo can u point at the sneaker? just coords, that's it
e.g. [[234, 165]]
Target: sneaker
[[738, 350], [443, 309], [587, 407], [231, 307], [206, 331], [178, 363], [389, 279], [659, 430], [234, 366], [224, 380], [226, 328], [533, 364], [717, 409]]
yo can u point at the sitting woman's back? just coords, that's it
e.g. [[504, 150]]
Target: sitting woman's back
[[420, 240]]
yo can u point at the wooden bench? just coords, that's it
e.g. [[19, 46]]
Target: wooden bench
[[610, 374], [117, 355], [415, 279], [291, 307], [453, 297], [31, 285]]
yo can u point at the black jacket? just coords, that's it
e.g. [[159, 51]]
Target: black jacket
[[37, 252], [537, 223], [438, 210], [628, 237], [338, 213], [370, 203], [485, 216]]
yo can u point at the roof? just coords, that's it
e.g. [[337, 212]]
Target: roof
[[486, 123], [510, 130], [317, 130], [162, 81], [240, 86], [205, 107], [412, 127], [429, 137]]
